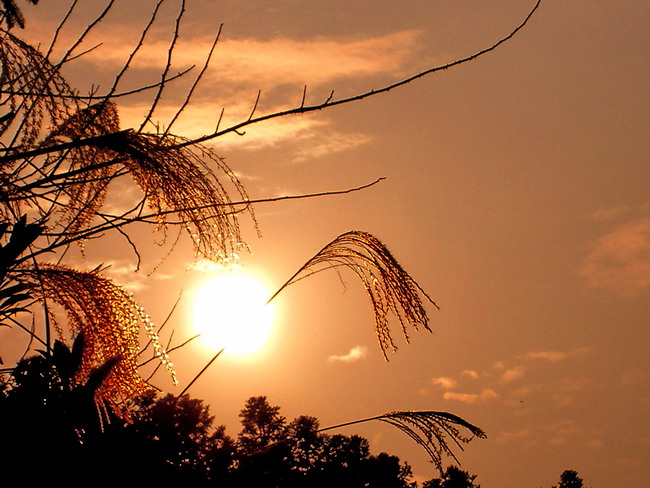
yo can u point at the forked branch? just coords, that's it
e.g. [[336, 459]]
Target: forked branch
[[330, 102]]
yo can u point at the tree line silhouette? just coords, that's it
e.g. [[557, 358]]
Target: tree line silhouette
[[51, 431], [51, 428]]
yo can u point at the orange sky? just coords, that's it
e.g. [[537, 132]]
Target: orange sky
[[516, 195]]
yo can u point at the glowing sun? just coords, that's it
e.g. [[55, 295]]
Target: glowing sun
[[230, 312]]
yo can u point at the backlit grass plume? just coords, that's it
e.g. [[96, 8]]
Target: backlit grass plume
[[434, 431], [389, 287], [178, 180], [180, 184], [32, 93], [110, 321]]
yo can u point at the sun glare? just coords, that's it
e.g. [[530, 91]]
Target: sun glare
[[230, 312]]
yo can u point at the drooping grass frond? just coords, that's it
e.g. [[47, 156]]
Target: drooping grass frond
[[11, 14], [390, 288], [110, 321], [31, 90], [434, 431], [87, 165], [178, 180], [87, 151]]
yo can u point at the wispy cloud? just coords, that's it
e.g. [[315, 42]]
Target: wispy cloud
[[445, 382], [485, 395], [508, 437], [511, 384], [279, 67], [512, 374], [355, 354], [620, 260], [274, 61], [471, 373], [554, 356], [610, 213]]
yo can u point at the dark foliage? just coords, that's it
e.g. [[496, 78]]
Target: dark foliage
[[453, 477], [53, 431], [569, 479]]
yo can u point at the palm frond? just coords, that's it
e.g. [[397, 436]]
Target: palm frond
[[390, 288], [110, 321]]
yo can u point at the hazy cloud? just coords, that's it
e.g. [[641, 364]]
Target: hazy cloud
[[564, 431], [279, 67], [485, 395], [328, 145], [355, 354], [620, 260], [471, 373], [512, 374], [610, 213], [507, 437], [634, 378], [595, 444], [554, 356], [315, 137], [445, 382], [275, 61]]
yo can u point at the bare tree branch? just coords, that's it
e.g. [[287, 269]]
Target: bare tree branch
[[329, 102]]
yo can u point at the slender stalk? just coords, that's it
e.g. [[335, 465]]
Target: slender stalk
[[214, 358], [353, 422]]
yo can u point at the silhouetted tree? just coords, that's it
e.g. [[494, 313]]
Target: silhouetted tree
[[453, 477], [178, 429], [261, 423], [50, 418], [298, 455], [569, 479]]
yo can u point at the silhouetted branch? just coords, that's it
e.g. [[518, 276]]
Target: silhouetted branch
[[329, 102], [198, 79], [162, 84]]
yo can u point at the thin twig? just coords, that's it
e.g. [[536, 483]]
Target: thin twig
[[331, 103], [196, 82]]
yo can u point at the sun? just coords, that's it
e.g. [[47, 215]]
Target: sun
[[230, 312]]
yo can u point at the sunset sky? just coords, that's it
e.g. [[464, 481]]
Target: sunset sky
[[516, 194]]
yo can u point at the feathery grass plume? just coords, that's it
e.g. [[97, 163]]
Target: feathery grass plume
[[110, 321], [89, 167], [178, 180], [389, 287], [11, 14], [87, 151], [431, 429], [32, 93]]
